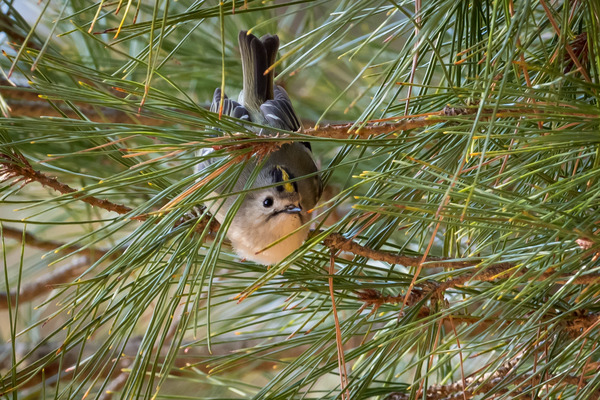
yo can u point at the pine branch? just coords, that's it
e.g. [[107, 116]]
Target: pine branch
[[581, 322], [23, 171], [45, 283], [24, 101], [187, 357], [375, 128], [27, 103], [532, 138], [338, 242], [16, 167], [483, 385], [409, 122], [50, 245], [343, 131], [373, 298]]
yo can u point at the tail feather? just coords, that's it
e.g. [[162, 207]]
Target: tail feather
[[271, 43], [254, 65]]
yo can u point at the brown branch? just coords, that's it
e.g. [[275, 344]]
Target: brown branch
[[16, 167], [46, 283], [490, 273], [580, 323], [49, 245], [376, 128], [344, 131], [501, 270], [25, 101], [338, 242], [374, 298], [476, 387]]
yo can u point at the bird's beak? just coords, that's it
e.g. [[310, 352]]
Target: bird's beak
[[292, 209]]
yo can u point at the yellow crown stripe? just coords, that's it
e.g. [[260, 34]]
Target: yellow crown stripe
[[287, 186]]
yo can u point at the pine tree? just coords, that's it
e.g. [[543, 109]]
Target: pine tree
[[455, 250]]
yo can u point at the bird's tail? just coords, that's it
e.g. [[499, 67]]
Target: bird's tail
[[257, 56]]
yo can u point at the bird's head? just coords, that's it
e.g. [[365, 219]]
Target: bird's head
[[268, 215]]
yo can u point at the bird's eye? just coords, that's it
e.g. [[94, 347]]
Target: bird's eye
[[268, 202]]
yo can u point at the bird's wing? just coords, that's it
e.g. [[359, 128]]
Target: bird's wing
[[231, 108], [207, 162], [279, 112]]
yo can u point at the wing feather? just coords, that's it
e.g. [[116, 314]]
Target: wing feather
[[279, 112], [231, 108]]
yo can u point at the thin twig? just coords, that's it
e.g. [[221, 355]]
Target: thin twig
[[376, 128], [345, 394]]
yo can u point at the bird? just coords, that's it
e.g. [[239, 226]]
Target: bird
[[272, 220]]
